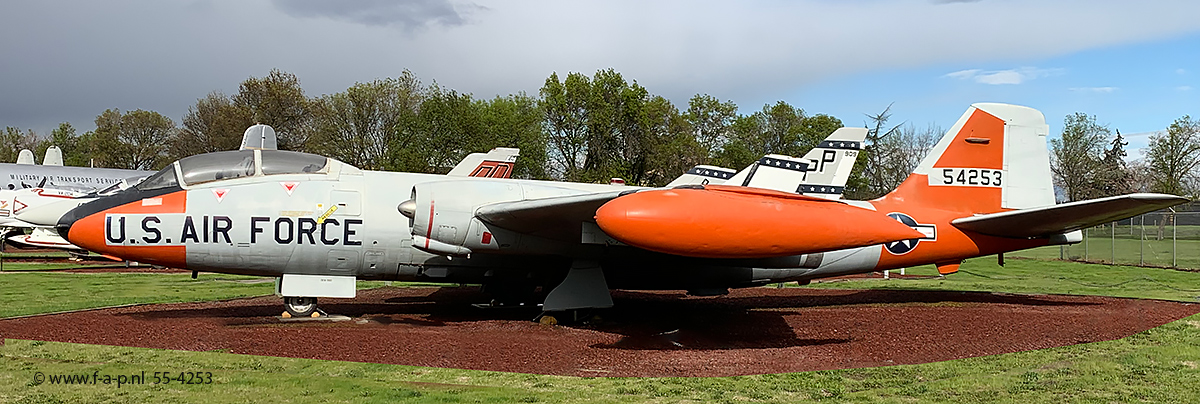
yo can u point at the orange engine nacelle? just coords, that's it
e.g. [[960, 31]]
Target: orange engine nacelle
[[738, 222]]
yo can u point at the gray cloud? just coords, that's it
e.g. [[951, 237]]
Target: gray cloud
[[408, 14], [65, 60]]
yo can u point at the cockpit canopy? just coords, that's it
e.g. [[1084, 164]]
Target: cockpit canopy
[[225, 165]]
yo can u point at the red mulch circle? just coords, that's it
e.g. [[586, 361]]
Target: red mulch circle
[[750, 331]]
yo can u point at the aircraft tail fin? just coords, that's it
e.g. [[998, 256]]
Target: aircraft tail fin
[[773, 171], [497, 163], [993, 159], [53, 157], [830, 163], [25, 157], [703, 175], [259, 137]]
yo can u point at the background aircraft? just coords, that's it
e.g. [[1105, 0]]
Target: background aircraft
[[319, 224], [823, 171]]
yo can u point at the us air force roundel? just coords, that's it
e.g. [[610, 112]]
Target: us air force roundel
[[904, 246]]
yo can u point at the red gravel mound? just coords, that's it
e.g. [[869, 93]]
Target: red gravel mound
[[750, 331]]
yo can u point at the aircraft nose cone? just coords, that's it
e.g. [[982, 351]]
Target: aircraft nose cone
[[49, 214], [63, 225]]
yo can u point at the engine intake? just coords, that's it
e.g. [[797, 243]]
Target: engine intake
[[443, 214]]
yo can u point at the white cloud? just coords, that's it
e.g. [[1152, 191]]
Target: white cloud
[[1096, 90], [1010, 76], [963, 74], [1183, 88], [1180, 71]]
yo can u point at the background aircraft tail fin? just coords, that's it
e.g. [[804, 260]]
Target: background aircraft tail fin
[[497, 163], [259, 137], [53, 157], [25, 157], [993, 159], [703, 175], [830, 163], [773, 171]]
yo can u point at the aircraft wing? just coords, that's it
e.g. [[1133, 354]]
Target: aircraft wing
[[554, 217], [1067, 217]]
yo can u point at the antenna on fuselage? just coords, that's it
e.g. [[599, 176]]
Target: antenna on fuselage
[[54, 156], [259, 137], [25, 157]]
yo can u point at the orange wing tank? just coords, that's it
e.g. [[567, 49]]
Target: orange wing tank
[[737, 222]]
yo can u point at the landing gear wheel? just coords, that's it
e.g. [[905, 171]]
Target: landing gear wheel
[[300, 306]]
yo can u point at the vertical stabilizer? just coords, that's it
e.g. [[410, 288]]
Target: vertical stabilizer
[[994, 158], [703, 175], [773, 171], [830, 163], [497, 163]]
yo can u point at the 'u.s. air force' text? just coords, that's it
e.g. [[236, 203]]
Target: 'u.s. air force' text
[[176, 229]]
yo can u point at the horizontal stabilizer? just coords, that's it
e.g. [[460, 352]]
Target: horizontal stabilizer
[[1067, 217]]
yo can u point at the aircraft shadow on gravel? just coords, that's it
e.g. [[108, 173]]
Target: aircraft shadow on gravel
[[645, 320], [862, 297]]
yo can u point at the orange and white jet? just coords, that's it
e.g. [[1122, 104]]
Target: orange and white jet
[[984, 189], [319, 224]]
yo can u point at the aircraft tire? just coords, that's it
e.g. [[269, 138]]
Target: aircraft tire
[[300, 306]]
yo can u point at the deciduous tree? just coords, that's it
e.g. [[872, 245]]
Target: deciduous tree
[[277, 100], [1173, 156], [1076, 157], [710, 120], [368, 125], [213, 124], [13, 140]]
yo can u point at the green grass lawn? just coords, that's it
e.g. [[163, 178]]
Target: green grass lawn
[[24, 293], [1045, 277], [1130, 246], [1160, 365], [43, 266], [32, 293]]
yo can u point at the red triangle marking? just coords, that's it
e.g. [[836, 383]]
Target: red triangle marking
[[289, 186]]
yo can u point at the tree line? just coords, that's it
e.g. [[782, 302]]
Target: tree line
[[1088, 160], [576, 128]]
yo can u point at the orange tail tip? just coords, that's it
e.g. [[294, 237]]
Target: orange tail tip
[[748, 224], [947, 268]]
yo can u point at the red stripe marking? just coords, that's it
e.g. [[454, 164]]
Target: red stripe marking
[[429, 231], [40, 192]]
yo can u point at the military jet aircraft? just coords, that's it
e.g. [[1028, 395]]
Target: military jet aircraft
[[39, 208], [319, 224], [823, 171]]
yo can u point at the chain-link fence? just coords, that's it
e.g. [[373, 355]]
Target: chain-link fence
[[1161, 239]]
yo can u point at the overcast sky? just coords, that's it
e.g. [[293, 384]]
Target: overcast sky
[[1134, 64]]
